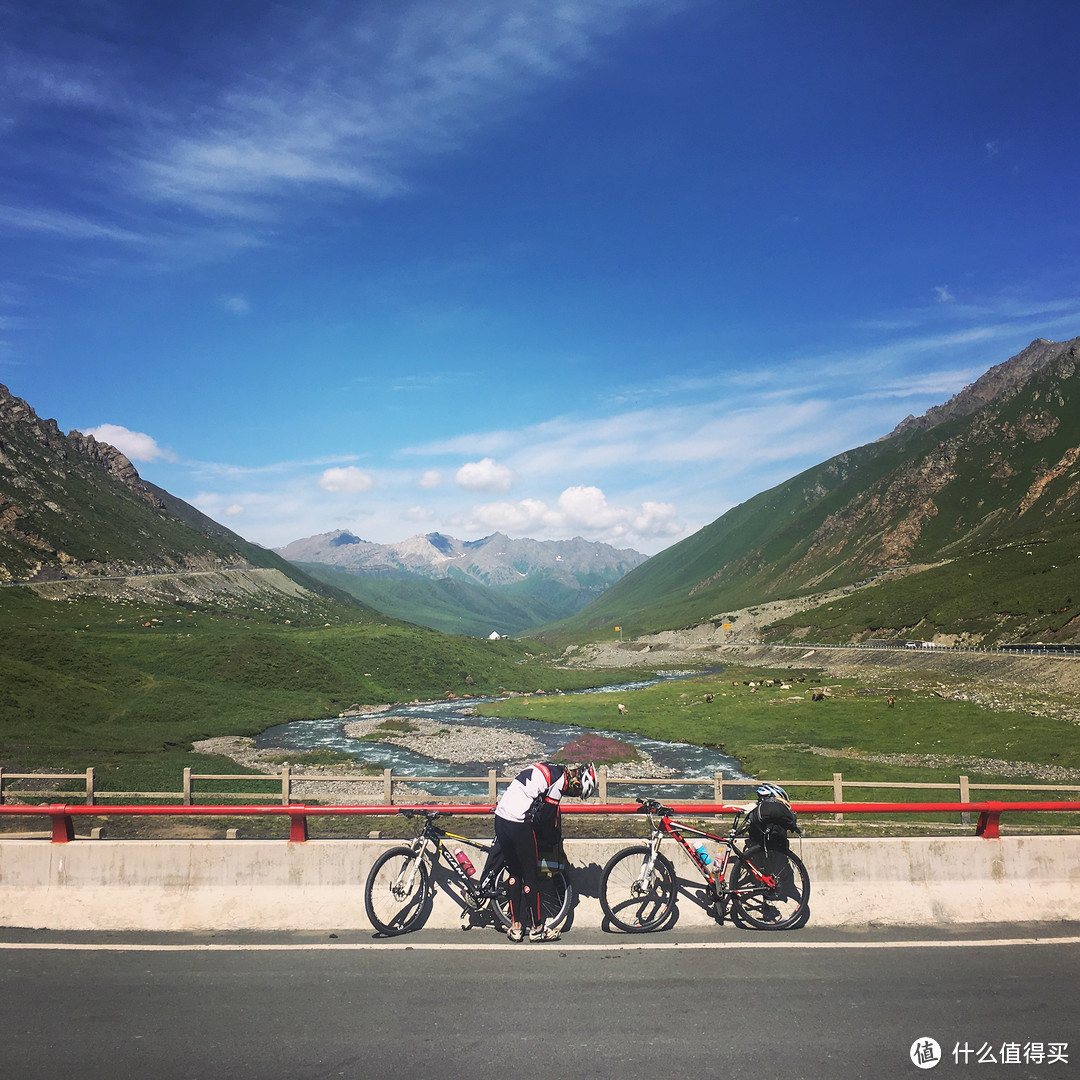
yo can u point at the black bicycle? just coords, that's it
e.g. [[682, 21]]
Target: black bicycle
[[400, 888], [767, 888]]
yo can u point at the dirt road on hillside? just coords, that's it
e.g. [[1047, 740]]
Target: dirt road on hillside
[[706, 646]]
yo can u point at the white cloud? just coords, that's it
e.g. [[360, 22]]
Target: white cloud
[[431, 479], [134, 445], [484, 475], [348, 480], [578, 510], [236, 305], [943, 294], [418, 513], [233, 510]]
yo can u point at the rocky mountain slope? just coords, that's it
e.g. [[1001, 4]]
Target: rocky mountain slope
[[75, 511], [985, 487]]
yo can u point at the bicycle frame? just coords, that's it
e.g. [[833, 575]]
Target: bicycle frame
[[663, 824], [430, 844]]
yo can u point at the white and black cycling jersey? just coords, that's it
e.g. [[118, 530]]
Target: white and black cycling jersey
[[543, 781]]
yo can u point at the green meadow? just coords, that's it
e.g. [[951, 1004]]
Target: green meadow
[[128, 688], [781, 734]]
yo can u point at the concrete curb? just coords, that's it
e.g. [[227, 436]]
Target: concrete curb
[[194, 885]]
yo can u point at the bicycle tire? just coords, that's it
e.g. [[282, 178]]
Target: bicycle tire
[[633, 908], [556, 898], [775, 909], [391, 909]]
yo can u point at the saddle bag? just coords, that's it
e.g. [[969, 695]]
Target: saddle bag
[[769, 823]]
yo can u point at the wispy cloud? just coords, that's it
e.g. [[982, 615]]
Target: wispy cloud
[[335, 98], [66, 226], [354, 108]]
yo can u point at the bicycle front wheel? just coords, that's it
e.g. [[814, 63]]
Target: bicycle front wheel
[[638, 896], [777, 908], [397, 896], [556, 896]]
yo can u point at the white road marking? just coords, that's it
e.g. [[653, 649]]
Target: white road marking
[[631, 945]]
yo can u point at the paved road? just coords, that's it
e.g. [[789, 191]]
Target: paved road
[[817, 1004]]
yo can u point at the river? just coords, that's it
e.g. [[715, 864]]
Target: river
[[327, 733]]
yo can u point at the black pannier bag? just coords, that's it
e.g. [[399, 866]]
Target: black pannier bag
[[769, 823]]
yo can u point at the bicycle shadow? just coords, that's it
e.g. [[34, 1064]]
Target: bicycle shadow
[[694, 891]]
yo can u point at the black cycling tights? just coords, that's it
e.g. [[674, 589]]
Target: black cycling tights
[[518, 843]]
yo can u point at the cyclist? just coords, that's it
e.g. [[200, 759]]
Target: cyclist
[[526, 817]]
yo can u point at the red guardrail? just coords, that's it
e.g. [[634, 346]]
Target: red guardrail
[[63, 826]]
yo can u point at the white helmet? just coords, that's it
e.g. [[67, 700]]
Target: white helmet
[[580, 781], [772, 791], [589, 786]]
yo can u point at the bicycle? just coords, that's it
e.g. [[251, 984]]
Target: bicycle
[[400, 888], [767, 889]]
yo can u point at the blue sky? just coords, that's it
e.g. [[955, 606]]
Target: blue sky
[[553, 268]]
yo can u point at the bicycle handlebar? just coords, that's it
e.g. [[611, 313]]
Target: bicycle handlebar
[[431, 815]]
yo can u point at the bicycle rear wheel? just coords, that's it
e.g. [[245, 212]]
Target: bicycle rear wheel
[[397, 896], [636, 897], [765, 908], [556, 896]]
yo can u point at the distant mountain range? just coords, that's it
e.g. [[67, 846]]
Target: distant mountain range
[[491, 585], [962, 525]]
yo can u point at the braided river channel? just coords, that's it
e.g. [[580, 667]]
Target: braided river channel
[[684, 760]]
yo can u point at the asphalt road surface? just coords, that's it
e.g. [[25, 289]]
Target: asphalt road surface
[[999, 1001]]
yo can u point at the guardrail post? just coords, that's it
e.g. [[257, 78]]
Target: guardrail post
[[989, 824], [718, 788], [493, 785], [838, 791], [187, 785], [298, 833], [1, 785], [90, 786], [965, 796], [388, 786], [63, 828], [286, 784], [601, 782]]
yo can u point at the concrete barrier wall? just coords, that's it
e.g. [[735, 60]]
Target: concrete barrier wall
[[195, 885]]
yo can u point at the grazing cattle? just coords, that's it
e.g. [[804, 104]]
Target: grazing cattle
[[622, 710], [892, 701], [708, 697], [818, 695]]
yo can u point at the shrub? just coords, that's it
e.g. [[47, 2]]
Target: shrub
[[599, 749]]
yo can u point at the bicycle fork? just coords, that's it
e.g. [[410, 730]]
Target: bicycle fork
[[406, 879], [648, 866]]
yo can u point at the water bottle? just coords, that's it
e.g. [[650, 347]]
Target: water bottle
[[703, 855], [466, 862]]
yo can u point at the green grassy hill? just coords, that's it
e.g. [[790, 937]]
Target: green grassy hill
[[987, 481], [458, 607]]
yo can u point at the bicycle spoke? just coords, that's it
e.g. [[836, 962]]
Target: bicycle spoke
[[396, 897], [778, 905], [637, 892]]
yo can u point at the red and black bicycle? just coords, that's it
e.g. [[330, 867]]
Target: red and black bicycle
[[765, 887]]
